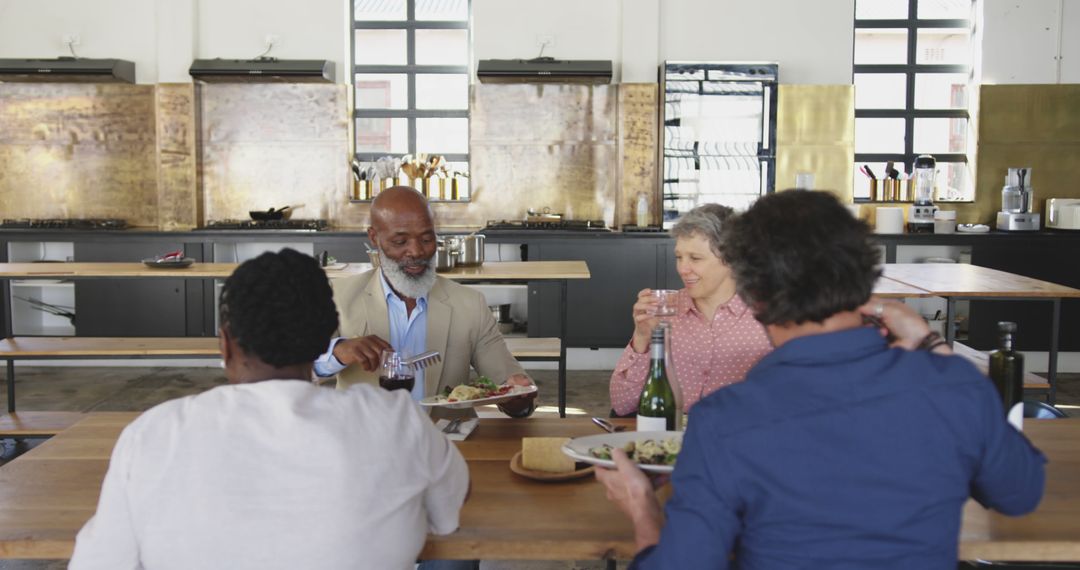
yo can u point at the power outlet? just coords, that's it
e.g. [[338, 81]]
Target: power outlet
[[71, 39], [272, 39], [546, 42]]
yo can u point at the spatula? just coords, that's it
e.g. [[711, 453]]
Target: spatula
[[423, 360]]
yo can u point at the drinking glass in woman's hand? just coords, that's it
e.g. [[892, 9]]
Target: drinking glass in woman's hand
[[394, 374], [667, 301]]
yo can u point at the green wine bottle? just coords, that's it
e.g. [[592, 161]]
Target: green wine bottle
[[656, 407], [1007, 372]]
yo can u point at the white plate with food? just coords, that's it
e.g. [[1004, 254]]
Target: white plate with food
[[653, 451], [479, 392], [973, 228]]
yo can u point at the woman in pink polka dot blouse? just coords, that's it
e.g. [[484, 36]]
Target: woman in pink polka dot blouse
[[715, 338]]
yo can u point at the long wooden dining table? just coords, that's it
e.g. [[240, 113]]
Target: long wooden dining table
[[47, 495], [962, 281]]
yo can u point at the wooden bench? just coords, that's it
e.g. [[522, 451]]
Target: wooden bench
[[981, 360], [37, 424], [84, 348]]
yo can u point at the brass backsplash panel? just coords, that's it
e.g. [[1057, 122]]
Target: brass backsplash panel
[[1029, 113], [537, 146], [78, 151], [271, 145], [815, 132], [638, 140], [1025, 125], [179, 207]]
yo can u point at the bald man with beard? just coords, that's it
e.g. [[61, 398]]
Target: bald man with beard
[[406, 306]]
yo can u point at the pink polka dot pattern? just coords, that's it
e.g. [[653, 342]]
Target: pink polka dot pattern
[[707, 355]]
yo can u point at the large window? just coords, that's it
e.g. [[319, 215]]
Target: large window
[[912, 75], [411, 72]]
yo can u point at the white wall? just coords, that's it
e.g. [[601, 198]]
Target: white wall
[[123, 29], [163, 36], [1023, 41], [1070, 42], [812, 41], [512, 29], [237, 29], [1035, 41]]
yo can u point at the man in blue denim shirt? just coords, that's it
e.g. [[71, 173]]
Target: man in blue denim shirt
[[839, 450]]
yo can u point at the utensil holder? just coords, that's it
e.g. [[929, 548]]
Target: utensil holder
[[891, 190], [425, 187], [454, 192], [442, 188], [875, 191], [362, 189]]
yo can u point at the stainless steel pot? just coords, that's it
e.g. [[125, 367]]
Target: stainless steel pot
[[445, 258], [472, 250], [500, 312]]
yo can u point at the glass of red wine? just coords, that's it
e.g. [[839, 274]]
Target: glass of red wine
[[394, 374]]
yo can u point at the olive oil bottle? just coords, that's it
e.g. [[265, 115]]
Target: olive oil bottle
[[1007, 372]]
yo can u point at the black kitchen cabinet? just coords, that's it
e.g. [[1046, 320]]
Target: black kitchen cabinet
[[599, 307], [1033, 318], [132, 307], [345, 250]]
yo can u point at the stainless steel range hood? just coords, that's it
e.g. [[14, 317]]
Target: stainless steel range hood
[[67, 70], [262, 70], [544, 70]]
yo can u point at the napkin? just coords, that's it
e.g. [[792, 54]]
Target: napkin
[[463, 431]]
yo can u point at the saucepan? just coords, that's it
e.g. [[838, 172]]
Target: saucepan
[[271, 214], [472, 250], [445, 256]]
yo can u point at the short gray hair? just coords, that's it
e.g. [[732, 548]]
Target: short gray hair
[[707, 221]]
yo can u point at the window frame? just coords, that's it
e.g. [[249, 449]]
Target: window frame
[[910, 70], [410, 69]]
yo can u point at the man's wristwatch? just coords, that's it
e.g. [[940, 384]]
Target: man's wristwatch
[[931, 341]]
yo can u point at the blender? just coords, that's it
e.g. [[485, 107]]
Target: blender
[[922, 211], [1017, 198]]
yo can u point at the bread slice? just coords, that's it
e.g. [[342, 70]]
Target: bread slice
[[545, 454]]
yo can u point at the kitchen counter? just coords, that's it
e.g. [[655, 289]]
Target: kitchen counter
[[18, 234], [621, 264]]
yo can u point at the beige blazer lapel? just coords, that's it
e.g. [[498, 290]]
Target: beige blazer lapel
[[438, 332], [374, 307], [362, 310]]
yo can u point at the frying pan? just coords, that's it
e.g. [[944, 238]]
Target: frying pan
[[271, 214]]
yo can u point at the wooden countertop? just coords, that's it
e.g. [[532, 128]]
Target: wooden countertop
[[52, 347], [489, 271], [965, 280], [892, 289], [47, 495]]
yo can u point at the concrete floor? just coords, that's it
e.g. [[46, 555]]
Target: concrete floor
[[137, 389]]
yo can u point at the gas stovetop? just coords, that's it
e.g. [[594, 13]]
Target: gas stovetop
[[294, 225], [66, 224], [564, 225]]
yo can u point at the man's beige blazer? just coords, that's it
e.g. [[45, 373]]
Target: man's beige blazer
[[459, 325]]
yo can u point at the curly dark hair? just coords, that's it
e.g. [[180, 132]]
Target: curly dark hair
[[279, 308], [800, 256]]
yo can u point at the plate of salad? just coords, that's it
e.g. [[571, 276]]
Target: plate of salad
[[653, 451], [479, 392]]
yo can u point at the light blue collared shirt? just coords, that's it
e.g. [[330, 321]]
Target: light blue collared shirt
[[408, 335]]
